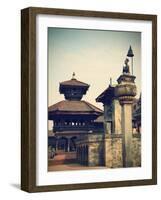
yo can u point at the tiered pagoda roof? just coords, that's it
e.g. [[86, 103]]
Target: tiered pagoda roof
[[73, 82], [67, 107], [107, 95], [73, 91]]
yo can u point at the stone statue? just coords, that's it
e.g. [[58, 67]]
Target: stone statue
[[126, 68]]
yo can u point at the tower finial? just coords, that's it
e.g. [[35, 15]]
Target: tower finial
[[110, 81], [131, 55], [130, 52], [73, 75]]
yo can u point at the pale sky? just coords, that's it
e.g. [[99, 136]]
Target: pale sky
[[94, 56]]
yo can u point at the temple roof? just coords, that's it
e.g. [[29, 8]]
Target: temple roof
[[74, 82], [76, 106], [107, 94], [73, 89]]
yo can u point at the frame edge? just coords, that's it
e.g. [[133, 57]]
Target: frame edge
[[24, 99], [28, 99]]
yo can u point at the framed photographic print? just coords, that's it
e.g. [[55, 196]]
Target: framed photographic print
[[89, 99]]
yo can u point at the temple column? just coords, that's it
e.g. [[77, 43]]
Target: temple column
[[56, 145], [126, 124], [68, 144], [116, 117], [77, 150], [84, 156], [126, 91], [80, 154]]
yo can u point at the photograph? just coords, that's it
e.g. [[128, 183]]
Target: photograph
[[94, 99], [89, 99]]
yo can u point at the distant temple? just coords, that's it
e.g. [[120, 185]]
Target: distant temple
[[89, 136]]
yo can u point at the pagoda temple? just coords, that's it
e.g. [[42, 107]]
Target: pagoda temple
[[72, 117]]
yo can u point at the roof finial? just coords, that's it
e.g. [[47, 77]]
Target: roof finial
[[73, 75], [110, 81], [131, 55], [130, 52]]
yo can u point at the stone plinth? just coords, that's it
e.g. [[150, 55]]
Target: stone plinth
[[113, 151], [90, 150], [136, 150], [93, 156]]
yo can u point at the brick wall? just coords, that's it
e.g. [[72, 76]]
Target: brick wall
[[107, 151]]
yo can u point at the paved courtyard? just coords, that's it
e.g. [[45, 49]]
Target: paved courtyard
[[74, 166], [67, 161]]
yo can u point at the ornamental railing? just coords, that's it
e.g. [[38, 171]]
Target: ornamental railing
[[72, 127]]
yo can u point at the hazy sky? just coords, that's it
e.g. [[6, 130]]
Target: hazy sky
[[94, 56]]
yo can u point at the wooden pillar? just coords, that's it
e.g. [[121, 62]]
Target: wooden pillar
[[56, 145], [80, 154], [68, 144]]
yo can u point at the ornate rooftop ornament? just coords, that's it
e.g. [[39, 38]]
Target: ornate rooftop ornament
[[130, 52], [73, 75], [110, 81]]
